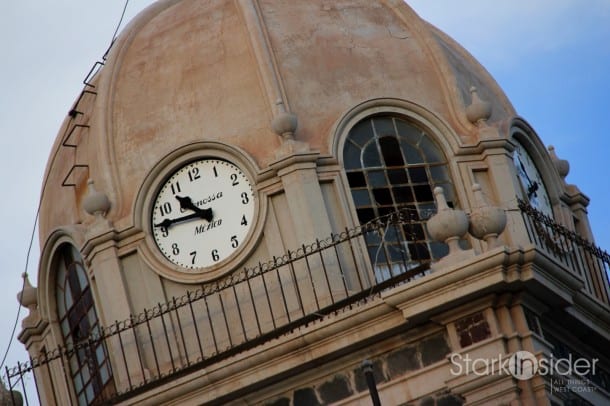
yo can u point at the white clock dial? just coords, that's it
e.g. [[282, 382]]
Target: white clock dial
[[202, 214], [534, 190]]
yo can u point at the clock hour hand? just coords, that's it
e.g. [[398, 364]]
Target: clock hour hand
[[187, 204]]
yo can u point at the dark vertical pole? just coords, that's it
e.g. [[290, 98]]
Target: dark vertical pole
[[367, 368]]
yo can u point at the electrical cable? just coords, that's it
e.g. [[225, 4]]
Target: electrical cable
[[116, 30]]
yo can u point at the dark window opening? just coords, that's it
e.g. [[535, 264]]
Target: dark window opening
[[383, 197], [398, 176], [390, 150], [418, 175], [423, 193], [356, 179], [392, 164]]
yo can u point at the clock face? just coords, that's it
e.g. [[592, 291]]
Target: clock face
[[202, 214], [533, 186]]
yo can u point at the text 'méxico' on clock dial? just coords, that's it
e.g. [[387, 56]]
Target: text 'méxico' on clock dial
[[202, 213]]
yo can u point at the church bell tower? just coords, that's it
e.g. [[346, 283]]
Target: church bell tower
[[308, 203]]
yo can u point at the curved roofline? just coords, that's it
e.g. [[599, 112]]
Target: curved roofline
[[497, 90]]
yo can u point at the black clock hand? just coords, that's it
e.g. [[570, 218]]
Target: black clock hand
[[187, 203], [531, 191], [205, 214], [525, 172], [533, 186], [168, 222]]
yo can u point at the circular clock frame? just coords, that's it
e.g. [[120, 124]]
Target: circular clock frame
[[204, 213]]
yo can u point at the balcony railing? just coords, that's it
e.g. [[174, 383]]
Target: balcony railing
[[588, 262], [264, 302], [244, 310]]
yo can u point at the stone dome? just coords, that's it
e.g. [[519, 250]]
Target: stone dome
[[188, 71]]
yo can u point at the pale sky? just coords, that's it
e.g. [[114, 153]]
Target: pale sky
[[551, 57]]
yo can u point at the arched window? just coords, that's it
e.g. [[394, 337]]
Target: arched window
[[392, 164], [89, 364]]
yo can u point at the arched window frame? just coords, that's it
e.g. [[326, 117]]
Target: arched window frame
[[88, 359], [444, 140]]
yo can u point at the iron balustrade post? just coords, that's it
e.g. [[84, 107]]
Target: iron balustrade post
[[279, 279], [180, 331], [169, 346], [212, 330], [190, 301], [330, 289], [311, 281], [152, 343], [340, 267], [296, 283], [224, 316], [239, 313], [121, 344], [262, 276], [139, 348], [258, 324]]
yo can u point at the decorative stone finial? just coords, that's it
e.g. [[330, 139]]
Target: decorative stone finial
[[562, 165], [96, 203], [486, 221], [447, 225], [479, 110], [284, 123], [28, 296]]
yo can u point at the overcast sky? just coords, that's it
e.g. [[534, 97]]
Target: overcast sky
[[551, 57]]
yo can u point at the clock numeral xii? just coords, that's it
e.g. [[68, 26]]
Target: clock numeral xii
[[194, 174]]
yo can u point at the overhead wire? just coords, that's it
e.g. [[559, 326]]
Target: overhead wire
[[116, 30]]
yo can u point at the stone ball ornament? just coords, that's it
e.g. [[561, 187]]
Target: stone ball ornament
[[285, 124], [28, 297], [447, 225], [479, 110], [96, 203], [562, 165], [486, 221]]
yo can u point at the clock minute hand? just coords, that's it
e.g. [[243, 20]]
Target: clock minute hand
[[525, 172], [169, 222]]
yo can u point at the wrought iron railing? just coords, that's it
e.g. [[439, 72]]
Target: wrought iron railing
[[582, 258], [247, 308], [264, 302]]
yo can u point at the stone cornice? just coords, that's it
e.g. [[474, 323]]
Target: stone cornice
[[33, 327], [504, 269]]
